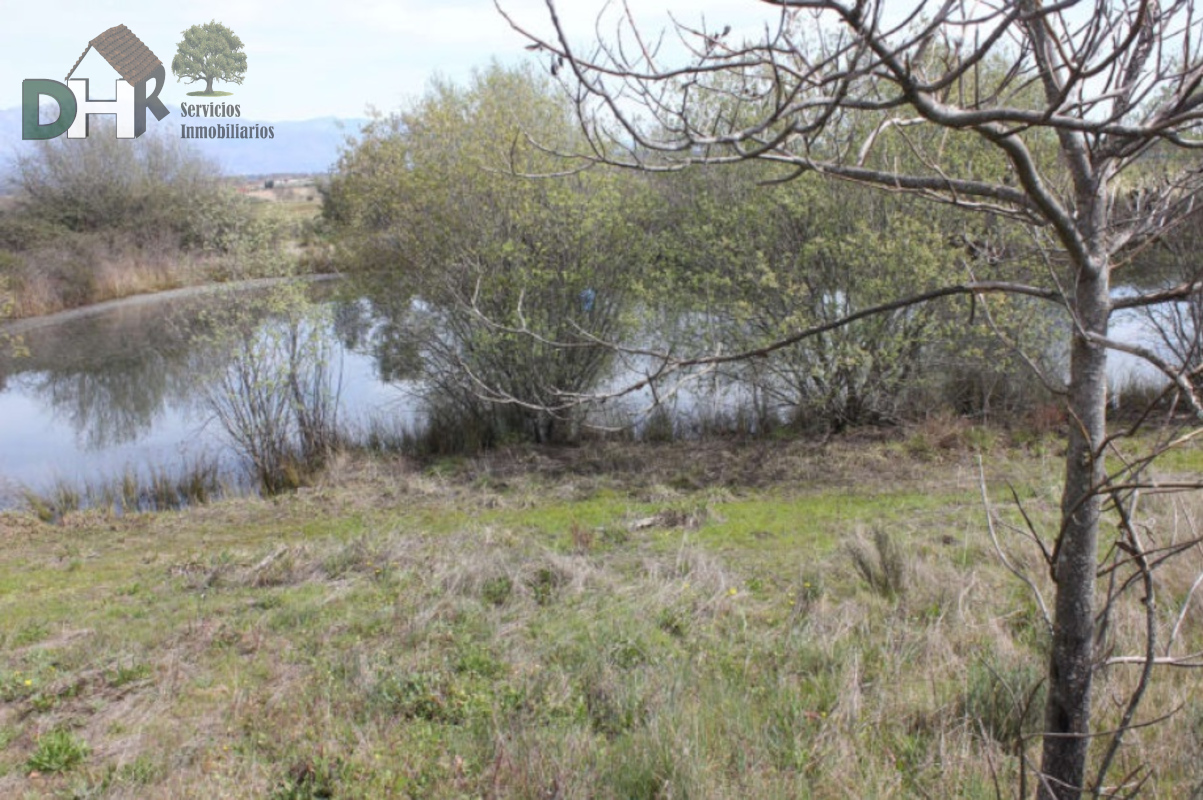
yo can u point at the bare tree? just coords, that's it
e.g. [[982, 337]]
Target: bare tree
[[1066, 109]]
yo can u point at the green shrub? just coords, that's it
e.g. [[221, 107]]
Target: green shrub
[[146, 188]]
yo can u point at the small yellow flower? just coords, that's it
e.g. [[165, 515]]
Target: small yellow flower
[[733, 591], [28, 682]]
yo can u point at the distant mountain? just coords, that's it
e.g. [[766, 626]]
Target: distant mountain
[[307, 146], [311, 145]]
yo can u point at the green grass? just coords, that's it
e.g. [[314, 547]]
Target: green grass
[[520, 627], [1187, 460], [214, 93]]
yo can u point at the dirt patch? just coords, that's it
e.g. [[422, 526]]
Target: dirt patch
[[689, 466]]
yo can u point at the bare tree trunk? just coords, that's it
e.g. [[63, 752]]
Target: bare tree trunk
[[1067, 715], [208, 85]]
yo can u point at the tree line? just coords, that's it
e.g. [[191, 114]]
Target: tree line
[[541, 277]]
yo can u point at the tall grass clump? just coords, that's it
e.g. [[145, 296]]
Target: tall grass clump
[[882, 565], [1005, 701], [158, 489]]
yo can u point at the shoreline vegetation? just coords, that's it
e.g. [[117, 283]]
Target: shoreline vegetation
[[719, 618], [41, 281], [97, 220]]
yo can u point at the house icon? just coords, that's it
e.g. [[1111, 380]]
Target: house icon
[[126, 54], [130, 59]]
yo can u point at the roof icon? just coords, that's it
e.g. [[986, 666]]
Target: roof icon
[[126, 53]]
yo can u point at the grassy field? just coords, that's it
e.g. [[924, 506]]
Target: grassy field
[[769, 619]]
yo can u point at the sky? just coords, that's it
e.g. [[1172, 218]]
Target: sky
[[320, 58]]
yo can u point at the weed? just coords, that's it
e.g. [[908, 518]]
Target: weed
[[883, 566], [31, 633], [1005, 702], [142, 771], [673, 621], [308, 779], [543, 583], [429, 696], [8, 734], [58, 750], [42, 702], [480, 662], [614, 703], [62, 498], [583, 538], [981, 439], [196, 483], [658, 426], [496, 591], [121, 674]]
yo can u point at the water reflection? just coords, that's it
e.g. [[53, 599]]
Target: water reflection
[[390, 328], [120, 390], [111, 377]]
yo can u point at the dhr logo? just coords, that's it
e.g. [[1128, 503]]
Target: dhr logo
[[136, 65]]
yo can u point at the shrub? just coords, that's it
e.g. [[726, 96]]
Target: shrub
[[506, 270], [277, 397], [146, 187]]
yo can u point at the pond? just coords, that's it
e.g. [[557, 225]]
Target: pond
[[121, 390]]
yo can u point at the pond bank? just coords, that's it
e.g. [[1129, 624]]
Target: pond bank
[[20, 326]]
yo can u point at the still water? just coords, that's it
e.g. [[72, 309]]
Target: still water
[[122, 390], [119, 390]]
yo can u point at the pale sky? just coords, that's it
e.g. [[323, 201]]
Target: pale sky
[[317, 58]]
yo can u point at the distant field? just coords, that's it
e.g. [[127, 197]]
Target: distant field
[[771, 619], [292, 210], [287, 195]]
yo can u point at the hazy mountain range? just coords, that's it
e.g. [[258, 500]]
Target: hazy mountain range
[[307, 146]]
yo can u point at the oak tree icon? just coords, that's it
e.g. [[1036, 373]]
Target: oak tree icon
[[210, 52]]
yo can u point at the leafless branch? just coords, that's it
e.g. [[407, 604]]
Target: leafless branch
[[1002, 557]]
